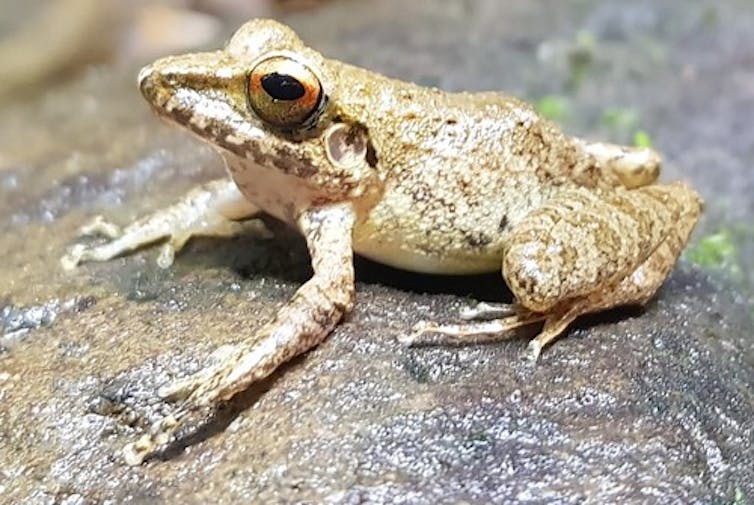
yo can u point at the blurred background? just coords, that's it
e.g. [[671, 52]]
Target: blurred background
[[50, 39]]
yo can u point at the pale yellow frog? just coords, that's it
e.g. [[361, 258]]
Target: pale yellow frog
[[417, 178]]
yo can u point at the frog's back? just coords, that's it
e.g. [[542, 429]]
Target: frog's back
[[461, 170]]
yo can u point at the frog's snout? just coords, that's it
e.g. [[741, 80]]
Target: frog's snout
[[148, 83], [159, 81], [144, 75], [163, 79]]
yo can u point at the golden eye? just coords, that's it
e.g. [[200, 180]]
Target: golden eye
[[284, 92]]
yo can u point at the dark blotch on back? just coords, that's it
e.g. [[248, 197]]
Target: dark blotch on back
[[282, 87], [503, 223], [477, 240]]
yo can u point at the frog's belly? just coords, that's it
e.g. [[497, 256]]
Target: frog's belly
[[400, 253], [429, 237]]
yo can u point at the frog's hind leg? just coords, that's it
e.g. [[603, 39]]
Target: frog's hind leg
[[615, 260], [635, 289], [493, 330], [209, 210]]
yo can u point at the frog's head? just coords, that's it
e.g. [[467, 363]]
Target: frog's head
[[266, 97]]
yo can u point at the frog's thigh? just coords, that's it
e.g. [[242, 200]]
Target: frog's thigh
[[642, 283], [583, 241], [638, 286], [208, 210]]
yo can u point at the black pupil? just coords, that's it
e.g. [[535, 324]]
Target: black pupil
[[282, 87]]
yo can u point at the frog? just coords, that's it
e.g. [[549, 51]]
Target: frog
[[413, 177]]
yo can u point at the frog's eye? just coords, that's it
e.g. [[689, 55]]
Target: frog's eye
[[284, 92]]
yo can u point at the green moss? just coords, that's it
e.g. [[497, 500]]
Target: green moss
[[624, 126], [716, 251], [642, 139], [740, 497], [553, 107]]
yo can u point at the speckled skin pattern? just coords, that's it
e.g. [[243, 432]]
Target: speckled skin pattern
[[409, 176]]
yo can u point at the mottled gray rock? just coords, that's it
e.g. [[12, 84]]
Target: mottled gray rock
[[634, 406]]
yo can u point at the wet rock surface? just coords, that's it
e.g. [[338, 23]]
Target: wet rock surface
[[634, 406]]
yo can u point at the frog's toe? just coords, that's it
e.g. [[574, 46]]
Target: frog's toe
[[134, 453], [99, 226], [421, 334], [166, 257], [190, 393], [487, 310], [179, 389], [73, 257], [531, 355], [160, 434], [81, 253]]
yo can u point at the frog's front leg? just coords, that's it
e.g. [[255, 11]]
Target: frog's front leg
[[302, 323], [582, 253], [211, 209]]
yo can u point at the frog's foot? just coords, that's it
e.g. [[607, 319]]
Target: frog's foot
[[428, 333], [299, 325], [209, 210], [191, 395], [159, 434], [515, 315], [495, 330]]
